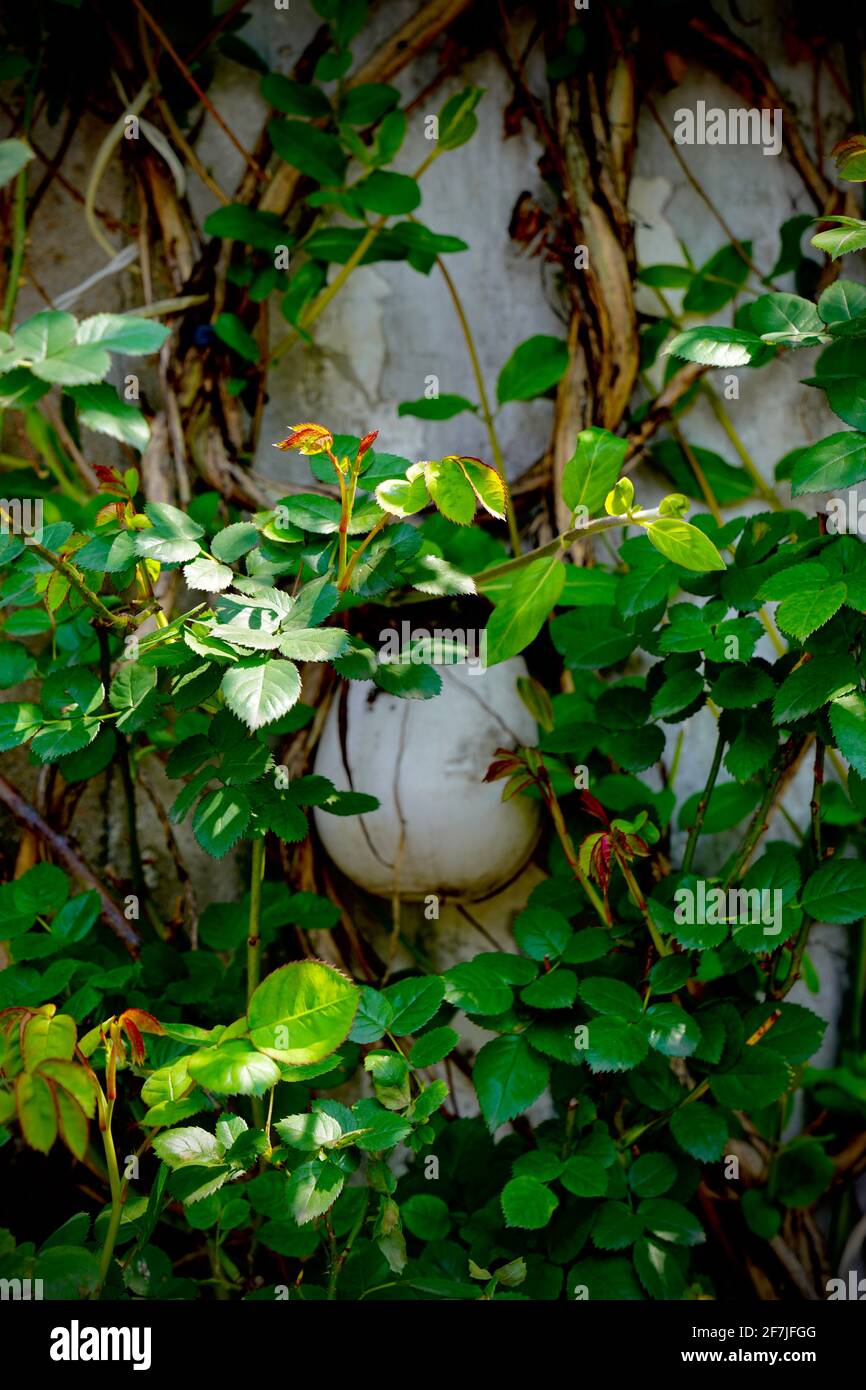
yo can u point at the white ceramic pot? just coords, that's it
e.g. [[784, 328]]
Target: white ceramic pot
[[439, 829]]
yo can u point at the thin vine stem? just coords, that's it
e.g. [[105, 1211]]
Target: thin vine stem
[[254, 939], [498, 459], [703, 803]]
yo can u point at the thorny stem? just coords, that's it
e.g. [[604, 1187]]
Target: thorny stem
[[19, 212], [106, 1111], [561, 543], [637, 1131], [254, 946], [815, 803], [71, 573], [498, 459], [704, 802], [746, 459], [755, 830], [254, 940], [343, 584], [639, 901], [571, 854]]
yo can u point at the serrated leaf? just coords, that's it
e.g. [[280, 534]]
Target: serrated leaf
[[508, 1076], [528, 1204], [234, 1068], [220, 819], [302, 1012], [259, 692], [716, 346]]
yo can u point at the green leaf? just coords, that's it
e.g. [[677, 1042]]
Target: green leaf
[[318, 155], [584, 1177], [758, 1078], [36, 1114], [427, 1217], [45, 334], [528, 1204], [125, 333], [728, 484], [700, 1130], [742, 687], [554, 990], [848, 722], [787, 319], [676, 693], [658, 1269], [813, 684], [293, 99], [73, 366], [18, 723], [443, 407], [671, 1221], [604, 1279], [518, 618], [101, 409], [718, 280], [14, 155], [542, 931], [312, 1189], [593, 468], [532, 369], [260, 691], [451, 490], [685, 545], [171, 523], [234, 1068], [234, 541], [609, 996], [207, 575], [457, 120], [716, 346], [302, 1012], [387, 193], [220, 819], [232, 332], [310, 1132], [401, 497], [802, 613], [477, 988], [615, 1044], [672, 1031], [842, 302], [76, 918], [796, 1034], [589, 944], [508, 1077], [133, 693], [803, 1174], [615, 1227], [666, 277], [314, 643], [368, 103], [834, 463], [651, 1175], [189, 1145], [842, 240], [836, 892], [263, 231], [413, 1003], [433, 1047]]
